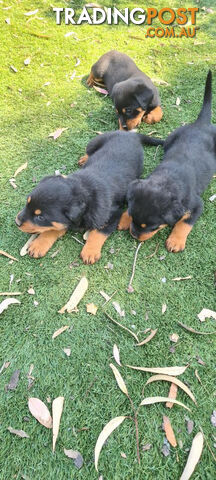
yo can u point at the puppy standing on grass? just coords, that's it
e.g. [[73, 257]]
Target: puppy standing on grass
[[170, 195], [134, 95], [91, 199]]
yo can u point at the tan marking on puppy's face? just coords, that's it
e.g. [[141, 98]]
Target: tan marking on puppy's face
[[134, 122], [29, 227], [143, 225], [29, 199]]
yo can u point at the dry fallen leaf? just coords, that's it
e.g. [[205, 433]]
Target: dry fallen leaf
[[169, 431], [147, 446], [212, 198], [178, 101], [57, 133], [206, 313], [190, 329], [152, 400], [193, 457], [40, 411], [14, 69], [33, 12], [119, 379], [118, 309], [13, 380], [24, 249], [8, 255], [106, 432], [172, 393], [76, 296], [164, 307], [166, 370], [76, 456], [190, 426], [8, 294], [59, 331], [101, 90], [174, 380], [31, 291], [123, 455], [198, 377], [67, 351], [57, 408], [19, 433], [116, 354], [147, 339], [166, 448], [174, 337], [20, 169], [5, 304], [91, 308]]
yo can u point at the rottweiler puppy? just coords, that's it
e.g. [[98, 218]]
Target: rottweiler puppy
[[134, 95], [90, 199], [170, 195]]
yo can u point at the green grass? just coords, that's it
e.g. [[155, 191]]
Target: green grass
[[91, 394]]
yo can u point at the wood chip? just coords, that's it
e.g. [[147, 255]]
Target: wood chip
[[19, 433], [59, 331]]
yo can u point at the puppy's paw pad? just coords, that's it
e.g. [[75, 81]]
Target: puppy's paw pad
[[89, 256], [174, 244], [37, 249]]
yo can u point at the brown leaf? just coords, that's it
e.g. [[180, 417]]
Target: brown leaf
[[91, 308], [153, 400], [106, 432], [8, 255], [206, 313], [194, 456], [169, 431], [59, 331], [40, 411], [67, 351], [19, 433], [119, 379], [32, 12], [76, 296], [190, 329], [147, 339], [57, 408], [57, 133], [172, 394], [101, 90], [20, 169], [76, 456], [166, 370], [12, 385]]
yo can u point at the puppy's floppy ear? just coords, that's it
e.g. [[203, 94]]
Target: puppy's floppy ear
[[144, 96], [175, 212], [76, 211]]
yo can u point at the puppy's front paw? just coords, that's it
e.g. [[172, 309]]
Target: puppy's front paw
[[90, 254], [175, 243], [154, 116], [83, 160], [124, 222], [38, 248]]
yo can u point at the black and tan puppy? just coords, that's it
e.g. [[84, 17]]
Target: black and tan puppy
[[134, 95], [91, 199], [171, 194]]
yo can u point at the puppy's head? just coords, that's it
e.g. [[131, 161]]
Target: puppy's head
[[131, 98], [153, 204], [55, 203]]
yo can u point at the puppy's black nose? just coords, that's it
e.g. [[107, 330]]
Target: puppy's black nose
[[18, 222]]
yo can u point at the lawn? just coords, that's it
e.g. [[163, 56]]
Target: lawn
[[35, 101]]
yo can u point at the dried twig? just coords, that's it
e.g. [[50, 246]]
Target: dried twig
[[134, 265], [77, 240], [122, 326]]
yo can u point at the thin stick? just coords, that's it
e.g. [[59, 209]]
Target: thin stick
[[10, 293], [8, 255], [120, 325], [156, 152], [134, 264], [77, 240], [107, 301], [208, 444], [154, 253], [136, 428]]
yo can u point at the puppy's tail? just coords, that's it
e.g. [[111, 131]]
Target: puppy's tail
[[146, 140], [205, 114]]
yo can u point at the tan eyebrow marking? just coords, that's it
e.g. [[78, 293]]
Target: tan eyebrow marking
[[29, 199], [37, 212], [143, 225], [123, 110]]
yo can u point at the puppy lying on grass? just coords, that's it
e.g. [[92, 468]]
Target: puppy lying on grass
[[134, 95], [90, 199], [170, 195]]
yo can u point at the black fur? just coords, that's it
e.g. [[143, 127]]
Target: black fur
[[175, 186], [127, 85], [93, 197]]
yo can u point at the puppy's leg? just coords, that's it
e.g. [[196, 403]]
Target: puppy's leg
[[93, 146], [177, 239], [154, 116], [40, 246], [83, 160], [125, 221], [91, 251], [94, 77]]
